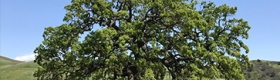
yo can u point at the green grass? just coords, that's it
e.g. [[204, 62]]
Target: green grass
[[6, 62], [263, 70], [16, 70]]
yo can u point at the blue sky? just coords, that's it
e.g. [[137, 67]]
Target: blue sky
[[23, 21]]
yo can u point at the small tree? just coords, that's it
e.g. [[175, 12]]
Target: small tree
[[192, 40]]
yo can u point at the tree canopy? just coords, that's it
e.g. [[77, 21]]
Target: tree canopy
[[144, 39]]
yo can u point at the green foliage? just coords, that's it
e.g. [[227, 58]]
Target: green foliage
[[145, 36], [149, 75], [16, 70]]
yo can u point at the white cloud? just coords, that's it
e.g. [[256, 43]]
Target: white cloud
[[26, 57]]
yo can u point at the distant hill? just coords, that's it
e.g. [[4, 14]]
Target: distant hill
[[263, 70], [17, 70], [6, 62]]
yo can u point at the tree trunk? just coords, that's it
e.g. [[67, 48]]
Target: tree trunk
[[130, 76]]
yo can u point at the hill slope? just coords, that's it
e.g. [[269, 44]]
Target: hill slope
[[16, 70], [263, 70], [6, 62]]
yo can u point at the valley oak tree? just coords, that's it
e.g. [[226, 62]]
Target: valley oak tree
[[144, 40]]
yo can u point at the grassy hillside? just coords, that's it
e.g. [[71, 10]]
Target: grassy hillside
[[263, 70], [6, 62], [17, 70]]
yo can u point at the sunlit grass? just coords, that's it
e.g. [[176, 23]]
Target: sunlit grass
[[16, 70]]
